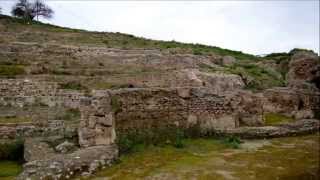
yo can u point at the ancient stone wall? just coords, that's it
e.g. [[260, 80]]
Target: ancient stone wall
[[20, 93], [106, 113], [33, 108], [297, 103], [181, 107], [24, 130]]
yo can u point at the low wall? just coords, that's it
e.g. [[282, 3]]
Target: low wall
[[107, 113]]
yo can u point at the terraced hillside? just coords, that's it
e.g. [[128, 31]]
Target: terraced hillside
[[82, 60]]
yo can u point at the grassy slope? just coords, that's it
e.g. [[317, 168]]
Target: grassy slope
[[40, 32]]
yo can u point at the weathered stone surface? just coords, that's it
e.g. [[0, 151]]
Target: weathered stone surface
[[296, 103], [25, 130], [65, 147], [65, 166], [219, 82], [22, 93], [228, 60], [97, 126], [248, 107], [150, 108], [35, 149], [304, 67], [211, 124], [304, 126]]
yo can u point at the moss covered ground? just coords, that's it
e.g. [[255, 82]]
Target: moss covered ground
[[9, 169], [275, 118], [291, 158]]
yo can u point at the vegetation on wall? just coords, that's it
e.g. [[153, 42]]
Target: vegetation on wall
[[133, 140], [14, 119], [73, 85], [11, 70], [254, 76]]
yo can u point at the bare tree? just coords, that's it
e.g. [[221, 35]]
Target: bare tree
[[40, 9], [28, 11]]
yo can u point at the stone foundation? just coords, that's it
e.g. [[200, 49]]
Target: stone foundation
[[65, 166]]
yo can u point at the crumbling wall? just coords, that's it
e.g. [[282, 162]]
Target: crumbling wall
[[33, 108], [97, 123], [180, 107], [122, 111], [20, 93], [297, 103]]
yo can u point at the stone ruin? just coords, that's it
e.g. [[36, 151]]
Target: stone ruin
[[89, 144], [82, 146]]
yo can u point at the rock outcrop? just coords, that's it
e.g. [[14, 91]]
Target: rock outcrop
[[228, 60], [304, 70]]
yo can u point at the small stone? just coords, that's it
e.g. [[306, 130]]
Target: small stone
[[65, 147]]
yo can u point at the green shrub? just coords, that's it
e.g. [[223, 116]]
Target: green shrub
[[197, 52], [72, 85], [295, 50], [179, 139], [115, 104], [232, 141]]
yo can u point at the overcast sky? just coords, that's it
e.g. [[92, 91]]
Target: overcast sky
[[256, 27]]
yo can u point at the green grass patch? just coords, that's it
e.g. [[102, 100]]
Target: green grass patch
[[9, 169], [147, 160], [70, 115], [208, 68], [11, 70], [275, 118], [206, 159], [134, 140], [130, 140], [254, 76], [72, 85], [14, 119]]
